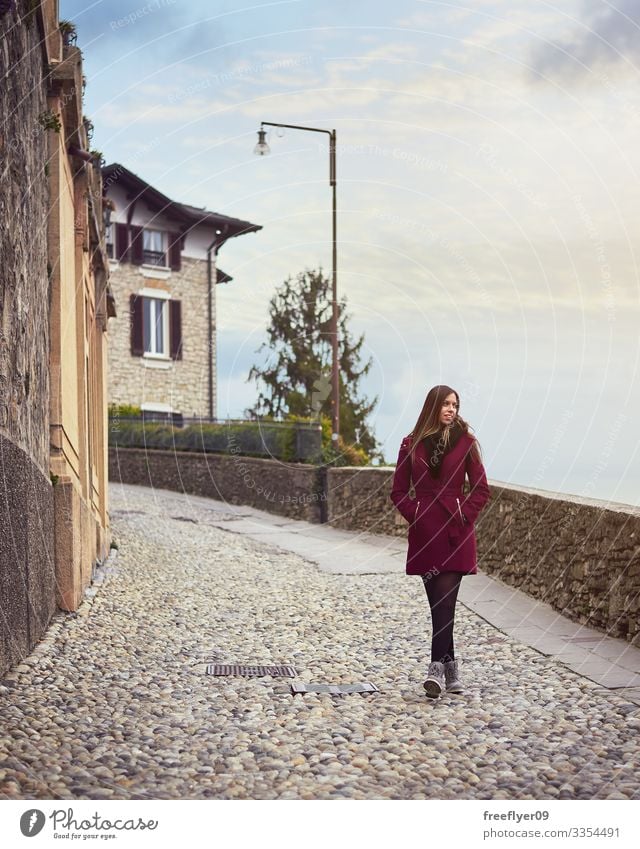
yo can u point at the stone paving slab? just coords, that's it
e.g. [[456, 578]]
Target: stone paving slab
[[115, 702]]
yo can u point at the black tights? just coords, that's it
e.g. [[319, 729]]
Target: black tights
[[442, 592]]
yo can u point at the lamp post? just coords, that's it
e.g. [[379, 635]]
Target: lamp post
[[220, 238], [261, 149]]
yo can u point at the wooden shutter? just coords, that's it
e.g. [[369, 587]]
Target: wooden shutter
[[175, 329], [137, 336], [136, 245], [174, 251], [122, 242]]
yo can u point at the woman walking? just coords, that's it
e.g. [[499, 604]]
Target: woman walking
[[435, 458]]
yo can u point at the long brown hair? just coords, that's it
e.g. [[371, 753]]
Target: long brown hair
[[429, 419]]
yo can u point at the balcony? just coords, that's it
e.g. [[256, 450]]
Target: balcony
[[154, 258]]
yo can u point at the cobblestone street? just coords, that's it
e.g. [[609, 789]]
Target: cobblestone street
[[115, 702]]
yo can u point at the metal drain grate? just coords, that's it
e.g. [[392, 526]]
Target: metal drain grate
[[334, 689], [250, 671]]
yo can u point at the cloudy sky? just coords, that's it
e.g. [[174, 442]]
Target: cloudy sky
[[487, 198]]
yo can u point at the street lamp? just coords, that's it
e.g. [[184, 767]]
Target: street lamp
[[262, 149]]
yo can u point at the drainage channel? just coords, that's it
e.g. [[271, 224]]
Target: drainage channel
[[229, 670]]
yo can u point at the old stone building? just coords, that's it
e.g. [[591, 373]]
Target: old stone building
[[54, 304], [163, 273]]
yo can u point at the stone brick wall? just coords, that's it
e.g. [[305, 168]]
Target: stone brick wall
[[24, 331], [26, 497], [576, 554], [288, 489], [579, 555], [184, 383]]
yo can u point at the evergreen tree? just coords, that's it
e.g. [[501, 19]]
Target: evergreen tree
[[298, 376]]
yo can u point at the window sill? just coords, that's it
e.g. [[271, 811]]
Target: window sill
[[153, 361], [158, 272]]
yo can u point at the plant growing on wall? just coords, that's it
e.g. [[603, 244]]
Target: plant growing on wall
[[50, 121], [297, 379], [68, 32]]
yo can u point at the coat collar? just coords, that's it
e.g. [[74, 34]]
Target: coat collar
[[431, 451]]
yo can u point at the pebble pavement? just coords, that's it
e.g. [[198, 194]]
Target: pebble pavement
[[114, 702]]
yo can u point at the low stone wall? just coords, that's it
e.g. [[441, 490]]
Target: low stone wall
[[358, 500], [579, 555], [288, 489]]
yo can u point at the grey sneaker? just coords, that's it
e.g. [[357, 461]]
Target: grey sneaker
[[435, 683], [454, 685]]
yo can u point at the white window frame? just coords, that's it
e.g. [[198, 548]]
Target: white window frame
[[165, 242], [164, 297]]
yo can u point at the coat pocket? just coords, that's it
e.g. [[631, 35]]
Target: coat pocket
[[428, 520], [412, 518]]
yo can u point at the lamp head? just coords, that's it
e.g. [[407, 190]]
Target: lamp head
[[261, 148]]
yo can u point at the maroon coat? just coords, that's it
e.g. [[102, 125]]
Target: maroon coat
[[441, 520]]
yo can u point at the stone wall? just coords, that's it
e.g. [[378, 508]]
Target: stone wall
[[579, 555], [183, 383], [27, 598], [288, 489], [576, 554], [24, 285]]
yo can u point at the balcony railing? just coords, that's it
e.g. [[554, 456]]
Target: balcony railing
[[154, 257]]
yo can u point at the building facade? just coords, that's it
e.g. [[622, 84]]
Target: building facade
[[162, 256], [54, 303]]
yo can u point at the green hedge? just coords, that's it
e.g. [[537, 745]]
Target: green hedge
[[250, 440]]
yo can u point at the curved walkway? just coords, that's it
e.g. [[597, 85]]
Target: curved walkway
[[115, 703]]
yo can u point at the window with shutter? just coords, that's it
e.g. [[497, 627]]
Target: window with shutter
[[154, 247], [155, 326]]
